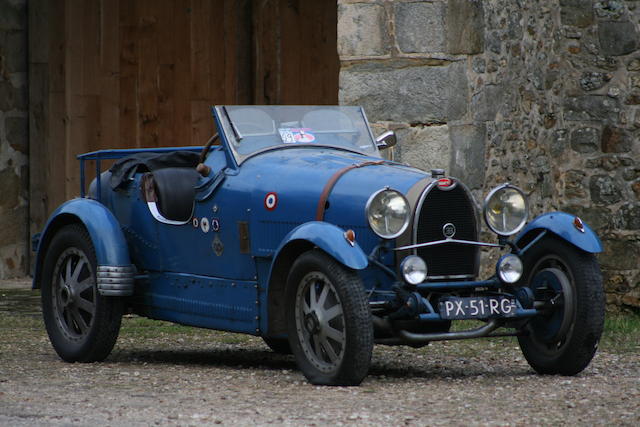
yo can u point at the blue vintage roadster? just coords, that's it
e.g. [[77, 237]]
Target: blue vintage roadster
[[289, 225]]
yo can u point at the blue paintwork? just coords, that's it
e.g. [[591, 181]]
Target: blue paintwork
[[561, 224], [330, 239], [103, 227], [199, 301]]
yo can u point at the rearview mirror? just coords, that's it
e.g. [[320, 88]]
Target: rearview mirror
[[386, 140]]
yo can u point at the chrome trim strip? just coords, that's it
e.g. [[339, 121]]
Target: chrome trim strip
[[153, 208], [441, 242], [454, 277], [115, 281]]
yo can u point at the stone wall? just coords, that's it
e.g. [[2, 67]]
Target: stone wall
[[544, 94], [13, 139]]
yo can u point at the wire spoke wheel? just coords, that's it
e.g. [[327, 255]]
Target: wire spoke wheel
[[320, 321], [328, 319], [74, 294], [82, 324]]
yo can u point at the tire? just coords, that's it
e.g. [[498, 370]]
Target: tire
[[278, 345], [329, 323], [82, 324], [564, 340]]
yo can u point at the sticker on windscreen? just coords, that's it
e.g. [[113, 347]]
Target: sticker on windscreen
[[296, 135]]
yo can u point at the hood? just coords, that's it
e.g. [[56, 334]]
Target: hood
[[287, 185]]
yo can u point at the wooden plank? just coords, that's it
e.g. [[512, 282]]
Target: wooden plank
[[201, 121], [266, 35], [128, 74], [181, 33], [291, 45], [200, 49], [166, 73], [216, 55], [244, 77], [148, 74], [90, 39], [109, 74], [40, 41]]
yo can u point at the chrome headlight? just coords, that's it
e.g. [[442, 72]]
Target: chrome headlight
[[414, 270], [506, 210], [388, 213], [509, 268]]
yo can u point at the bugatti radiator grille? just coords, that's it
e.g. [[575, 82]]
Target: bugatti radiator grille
[[438, 209]]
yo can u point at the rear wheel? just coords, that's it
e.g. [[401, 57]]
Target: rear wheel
[[82, 324], [568, 282], [329, 322]]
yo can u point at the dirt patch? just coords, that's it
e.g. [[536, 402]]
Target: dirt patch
[[161, 374]]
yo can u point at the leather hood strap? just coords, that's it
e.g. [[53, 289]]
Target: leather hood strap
[[332, 182]]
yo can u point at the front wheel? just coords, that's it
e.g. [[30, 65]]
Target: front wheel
[[567, 284], [329, 322], [82, 324]]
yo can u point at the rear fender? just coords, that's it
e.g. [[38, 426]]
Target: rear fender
[[562, 225], [115, 272]]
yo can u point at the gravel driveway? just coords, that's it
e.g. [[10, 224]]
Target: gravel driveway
[[165, 375]]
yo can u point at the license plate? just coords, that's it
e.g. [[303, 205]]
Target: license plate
[[455, 308]]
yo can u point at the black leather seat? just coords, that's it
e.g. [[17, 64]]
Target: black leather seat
[[175, 191]]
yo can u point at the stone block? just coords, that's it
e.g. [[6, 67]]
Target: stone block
[[617, 38], [619, 254], [609, 9], [592, 80], [630, 217], [362, 30], [616, 283], [13, 15], [6, 95], [15, 51], [465, 26], [604, 190], [585, 140], [10, 186], [486, 104], [578, 13], [17, 132], [420, 27], [574, 187], [615, 140], [467, 153], [425, 147], [404, 92], [591, 107]]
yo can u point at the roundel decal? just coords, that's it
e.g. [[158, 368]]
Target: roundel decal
[[270, 201], [204, 225]]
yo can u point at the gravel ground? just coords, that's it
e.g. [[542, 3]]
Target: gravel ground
[[166, 375]]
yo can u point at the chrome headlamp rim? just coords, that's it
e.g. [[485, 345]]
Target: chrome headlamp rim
[[485, 206], [514, 260], [406, 275], [407, 219]]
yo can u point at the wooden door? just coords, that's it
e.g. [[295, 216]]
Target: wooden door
[[144, 73]]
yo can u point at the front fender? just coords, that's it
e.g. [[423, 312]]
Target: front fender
[[561, 224], [112, 252], [330, 239]]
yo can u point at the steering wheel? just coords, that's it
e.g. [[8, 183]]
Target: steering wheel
[[203, 169]]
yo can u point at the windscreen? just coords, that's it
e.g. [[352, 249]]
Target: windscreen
[[253, 129]]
